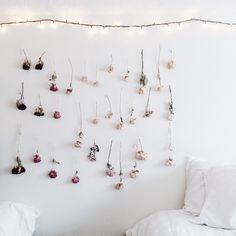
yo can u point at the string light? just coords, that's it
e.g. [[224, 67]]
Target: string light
[[118, 25]]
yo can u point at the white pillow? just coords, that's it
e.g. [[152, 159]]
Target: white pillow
[[195, 186], [219, 209], [17, 219]]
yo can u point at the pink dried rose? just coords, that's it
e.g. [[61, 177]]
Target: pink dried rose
[[119, 186], [37, 158], [110, 172], [57, 115]]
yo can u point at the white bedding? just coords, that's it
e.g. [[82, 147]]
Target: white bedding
[[174, 223]]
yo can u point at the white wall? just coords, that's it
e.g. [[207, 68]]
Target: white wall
[[204, 93]]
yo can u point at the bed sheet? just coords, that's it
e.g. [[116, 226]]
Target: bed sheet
[[174, 223]]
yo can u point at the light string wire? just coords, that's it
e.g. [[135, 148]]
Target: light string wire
[[154, 24]]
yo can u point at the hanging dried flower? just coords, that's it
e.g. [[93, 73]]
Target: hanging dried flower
[[170, 161], [132, 119], [75, 179], [69, 90], [143, 81], [37, 157], [57, 115], [171, 63], [84, 78], [26, 64], [110, 169], [120, 185], [121, 123], [109, 113], [39, 110], [148, 112], [53, 79], [53, 173], [93, 150], [18, 168], [126, 76], [110, 68], [79, 142], [96, 120], [140, 154], [96, 82], [39, 65], [20, 102], [160, 86], [135, 172], [171, 109]]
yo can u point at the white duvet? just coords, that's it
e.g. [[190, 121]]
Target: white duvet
[[174, 223]]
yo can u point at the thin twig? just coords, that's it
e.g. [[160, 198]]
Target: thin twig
[[109, 154], [140, 143], [96, 111], [81, 118], [142, 60], [42, 54], [121, 173], [121, 119], [72, 73], [148, 100], [109, 103], [171, 98], [158, 67], [22, 91]]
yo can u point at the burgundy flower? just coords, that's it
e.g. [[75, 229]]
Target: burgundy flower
[[75, 180], [53, 87], [52, 174], [57, 115], [26, 65], [37, 158]]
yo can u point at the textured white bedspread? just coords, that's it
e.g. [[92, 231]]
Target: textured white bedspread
[[174, 223]]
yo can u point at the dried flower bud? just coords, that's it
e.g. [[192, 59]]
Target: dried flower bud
[[52, 174], [69, 91], [53, 87], [37, 158], [120, 125], [39, 111], [171, 64], [39, 65], [141, 155], [134, 173], [78, 143], [96, 83], [84, 78], [148, 113], [95, 121], [57, 115], [119, 186], [26, 64], [141, 90], [110, 69], [20, 105], [170, 162]]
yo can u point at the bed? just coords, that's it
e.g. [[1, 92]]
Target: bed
[[174, 223]]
